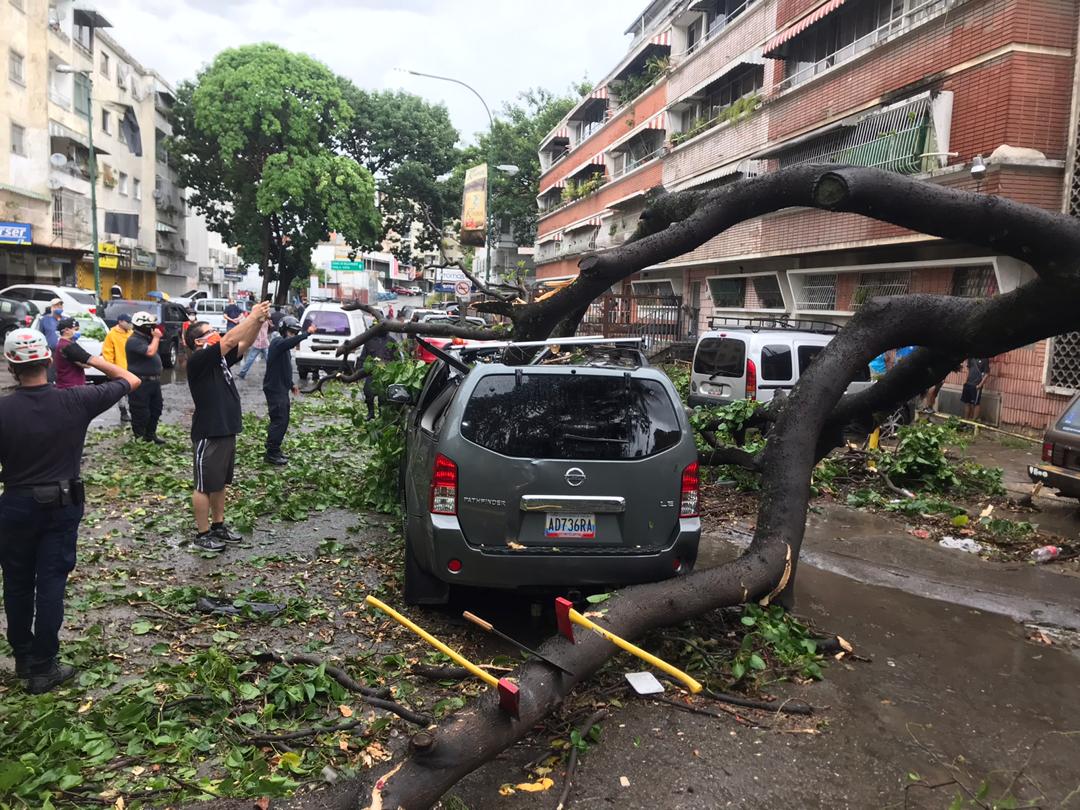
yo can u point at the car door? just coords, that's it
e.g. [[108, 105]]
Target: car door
[[776, 367]]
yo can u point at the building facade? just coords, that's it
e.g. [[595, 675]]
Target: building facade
[[926, 88], [66, 81]]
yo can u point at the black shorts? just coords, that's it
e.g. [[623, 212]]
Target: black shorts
[[971, 395], [214, 460]]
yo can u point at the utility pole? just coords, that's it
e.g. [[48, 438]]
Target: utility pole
[[86, 74]]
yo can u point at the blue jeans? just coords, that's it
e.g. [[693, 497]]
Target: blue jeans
[[249, 360], [37, 552]]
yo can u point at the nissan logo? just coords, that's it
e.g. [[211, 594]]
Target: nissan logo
[[575, 476]]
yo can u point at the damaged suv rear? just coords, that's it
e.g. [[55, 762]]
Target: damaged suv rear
[[548, 475]]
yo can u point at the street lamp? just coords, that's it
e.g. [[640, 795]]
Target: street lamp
[[506, 168], [93, 169]]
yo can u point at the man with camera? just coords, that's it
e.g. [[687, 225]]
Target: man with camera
[[42, 432], [144, 361]]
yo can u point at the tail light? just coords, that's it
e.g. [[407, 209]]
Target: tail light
[[1048, 451], [751, 380], [444, 486], [93, 310], [690, 494], [28, 320]]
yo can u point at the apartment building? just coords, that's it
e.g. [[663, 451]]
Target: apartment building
[[66, 75], [926, 88]]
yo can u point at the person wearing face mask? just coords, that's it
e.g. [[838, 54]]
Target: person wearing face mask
[[48, 325], [69, 373], [114, 352], [144, 362], [217, 420]]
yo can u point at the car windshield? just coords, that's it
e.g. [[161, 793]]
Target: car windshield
[[721, 357], [84, 298], [1070, 420], [91, 327], [329, 323], [571, 416]]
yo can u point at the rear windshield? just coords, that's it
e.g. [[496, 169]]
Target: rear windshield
[[571, 416], [86, 299], [121, 307], [1070, 420], [329, 323], [723, 357]]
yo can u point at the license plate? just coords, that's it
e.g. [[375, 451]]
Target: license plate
[[1036, 472], [562, 525]]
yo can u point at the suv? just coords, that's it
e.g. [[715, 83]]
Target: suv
[[555, 475], [212, 310], [75, 299], [1060, 467], [15, 312], [169, 314], [333, 326]]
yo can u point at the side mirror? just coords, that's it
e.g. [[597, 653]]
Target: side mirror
[[399, 394]]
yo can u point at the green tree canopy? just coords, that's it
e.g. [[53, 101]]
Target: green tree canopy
[[255, 134], [409, 146]]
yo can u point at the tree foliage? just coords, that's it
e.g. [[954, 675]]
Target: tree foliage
[[408, 145], [255, 136]]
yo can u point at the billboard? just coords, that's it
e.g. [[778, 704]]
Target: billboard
[[474, 207], [16, 233]]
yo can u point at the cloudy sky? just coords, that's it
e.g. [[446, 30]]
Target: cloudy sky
[[497, 46]]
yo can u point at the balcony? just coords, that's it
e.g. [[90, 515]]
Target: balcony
[[720, 149]]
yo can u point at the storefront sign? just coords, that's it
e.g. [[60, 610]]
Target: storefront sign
[[143, 258], [474, 207], [16, 233], [108, 256]]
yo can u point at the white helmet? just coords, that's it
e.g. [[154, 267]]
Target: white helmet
[[143, 319], [26, 346]]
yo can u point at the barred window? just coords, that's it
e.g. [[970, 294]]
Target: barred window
[[818, 292], [1063, 370], [974, 282], [877, 285], [728, 293]]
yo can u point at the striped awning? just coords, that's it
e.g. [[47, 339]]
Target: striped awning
[[554, 236], [801, 25], [58, 130], [663, 38], [599, 92], [658, 121], [597, 159], [588, 222]]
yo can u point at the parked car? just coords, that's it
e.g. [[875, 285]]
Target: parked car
[[92, 331], [414, 290], [212, 310], [598, 486], [169, 314], [442, 317], [399, 290], [15, 312], [333, 326], [1060, 466], [75, 299], [411, 313]]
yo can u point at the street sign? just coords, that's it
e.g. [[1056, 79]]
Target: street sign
[[462, 289], [342, 264]]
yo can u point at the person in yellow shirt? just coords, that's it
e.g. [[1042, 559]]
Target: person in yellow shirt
[[113, 352]]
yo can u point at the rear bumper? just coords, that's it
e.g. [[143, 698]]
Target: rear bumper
[[1064, 480], [694, 400], [324, 361], [437, 539]]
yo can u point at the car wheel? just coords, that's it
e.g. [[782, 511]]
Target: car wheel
[[168, 359], [897, 419]]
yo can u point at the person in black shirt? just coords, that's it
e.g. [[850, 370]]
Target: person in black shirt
[[382, 349], [277, 383], [42, 432], [217, 420], [144, 362]]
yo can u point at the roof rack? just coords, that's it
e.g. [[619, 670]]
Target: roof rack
[[758, 324], [587, 340]]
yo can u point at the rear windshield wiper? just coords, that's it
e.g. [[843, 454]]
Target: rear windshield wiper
[[579, 438]]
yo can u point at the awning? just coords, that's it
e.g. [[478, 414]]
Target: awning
[[58, 130], [599, 92], [658, 121], [784, 146], [561, 131], [628, 199], [90, 18], [663, 38], [707, 177], [581, 224], [800, 26], [163, 227], [554, 236]]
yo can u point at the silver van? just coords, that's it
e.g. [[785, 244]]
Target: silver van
[[547, 476]]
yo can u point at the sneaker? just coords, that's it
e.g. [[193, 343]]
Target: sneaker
[[276, 459], [43, 682], [209, 542], [225, 534]]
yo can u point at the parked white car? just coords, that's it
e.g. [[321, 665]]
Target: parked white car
[[212, 310], [333, 326], [93, 331], [75, 299]]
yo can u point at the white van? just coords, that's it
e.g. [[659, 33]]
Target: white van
[[753, 358], [333, 326], [212, 310]]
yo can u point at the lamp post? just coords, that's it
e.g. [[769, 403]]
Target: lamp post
[[93, 169], [505, 167]]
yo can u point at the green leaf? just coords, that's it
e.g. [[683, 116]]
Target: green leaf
[[756, 662], [749, 621], [597, 598], [960, 520], [141, 628], [738, 669], [12, 773]]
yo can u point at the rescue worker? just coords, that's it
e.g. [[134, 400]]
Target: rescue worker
[[144, 362], [42, 432], [112, 349], [381, 349], [278, 382]]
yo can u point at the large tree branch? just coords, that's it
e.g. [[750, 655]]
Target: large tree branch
[[384, 327]]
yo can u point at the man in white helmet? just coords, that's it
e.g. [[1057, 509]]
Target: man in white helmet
[[144, 362], [42, 432]]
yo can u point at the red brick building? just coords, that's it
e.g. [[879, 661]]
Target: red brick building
[[922, 87]]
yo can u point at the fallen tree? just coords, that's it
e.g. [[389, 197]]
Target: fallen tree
[[803, 426]]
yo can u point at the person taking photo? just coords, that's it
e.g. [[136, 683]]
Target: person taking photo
[[278, 383], [144, 361]]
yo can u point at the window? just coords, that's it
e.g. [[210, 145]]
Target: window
[[974, 282], [104, 64], [15, 67], [764, 293], [715, 100], [721, 357], [776, 363], [82, 94], [123, 186], [879, 285], [84, 37], [18, 140], [328, 323], [136, 189], [818, 292], [728, 293], [571, 416], [106, 122], [1063, 369], [806, 357], [121, 75]]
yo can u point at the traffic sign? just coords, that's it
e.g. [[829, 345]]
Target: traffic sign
[[341, 264], [462, 289]]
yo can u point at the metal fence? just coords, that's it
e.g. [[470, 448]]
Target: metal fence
[[659, 319]]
